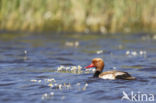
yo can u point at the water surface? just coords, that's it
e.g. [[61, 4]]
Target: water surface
[[27, 62]]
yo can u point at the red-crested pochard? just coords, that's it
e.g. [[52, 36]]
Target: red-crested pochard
[[98, 63]]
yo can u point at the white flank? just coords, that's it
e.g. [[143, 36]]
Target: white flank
[[108, 76]]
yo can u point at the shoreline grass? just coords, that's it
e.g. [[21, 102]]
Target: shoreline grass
[[106, 16]]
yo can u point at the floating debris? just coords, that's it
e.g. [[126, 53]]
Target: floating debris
[[120, 46], [114, 68], [135, 53], [44, 96], [90, 70], [148, 37], [33, 80], [63, 97], [39, 81], [52, 93], [74, 69], [77, 44], [68, 86], [47, 95], [127, 52], [60, 68], [99, 52], [154, 37], [85, 86], [142, 52], [72, 44], [78, 84], [25, 52], [50, 80], [60, 86], [45, 81], [56, 85], [25, 55], [50, 85]]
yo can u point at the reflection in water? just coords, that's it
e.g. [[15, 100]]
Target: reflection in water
[[49, 68]]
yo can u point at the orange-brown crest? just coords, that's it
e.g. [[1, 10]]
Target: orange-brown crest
[[98, 63]]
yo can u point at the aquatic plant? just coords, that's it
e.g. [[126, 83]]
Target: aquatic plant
[[74, 69]]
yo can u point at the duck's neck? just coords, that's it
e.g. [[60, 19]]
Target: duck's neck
[[96, 74]]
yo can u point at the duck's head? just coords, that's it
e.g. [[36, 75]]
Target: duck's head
[[98, 63]]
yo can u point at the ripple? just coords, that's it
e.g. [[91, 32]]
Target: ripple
[[153, 77], [132, 67], [110, 97], [151, 69], [41, 77], [97, 92], [62, 59], [142, 80], [36, 79], [7, 84]]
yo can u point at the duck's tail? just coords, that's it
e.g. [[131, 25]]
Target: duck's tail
[[126, 76], [130, 78]]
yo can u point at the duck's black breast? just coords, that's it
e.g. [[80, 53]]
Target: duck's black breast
[[96, 74]]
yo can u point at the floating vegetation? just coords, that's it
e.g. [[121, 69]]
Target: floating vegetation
[[85, 86], [47, 95], [25, 55], [50, 80], [132, 67], [33, 80], [44, 81], [114, 68], [63, 97], [74, 69], [50, 85], [53, 85], [149, 37], [99, 52], [78, 84], [25, 52], [135, 53], [65, 86], [72, 44]]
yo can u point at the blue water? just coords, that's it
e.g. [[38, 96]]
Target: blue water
[[27, 62]]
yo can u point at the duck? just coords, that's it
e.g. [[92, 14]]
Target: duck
[[98, 63]]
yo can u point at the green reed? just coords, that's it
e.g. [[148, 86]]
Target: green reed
[[78, 15]]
